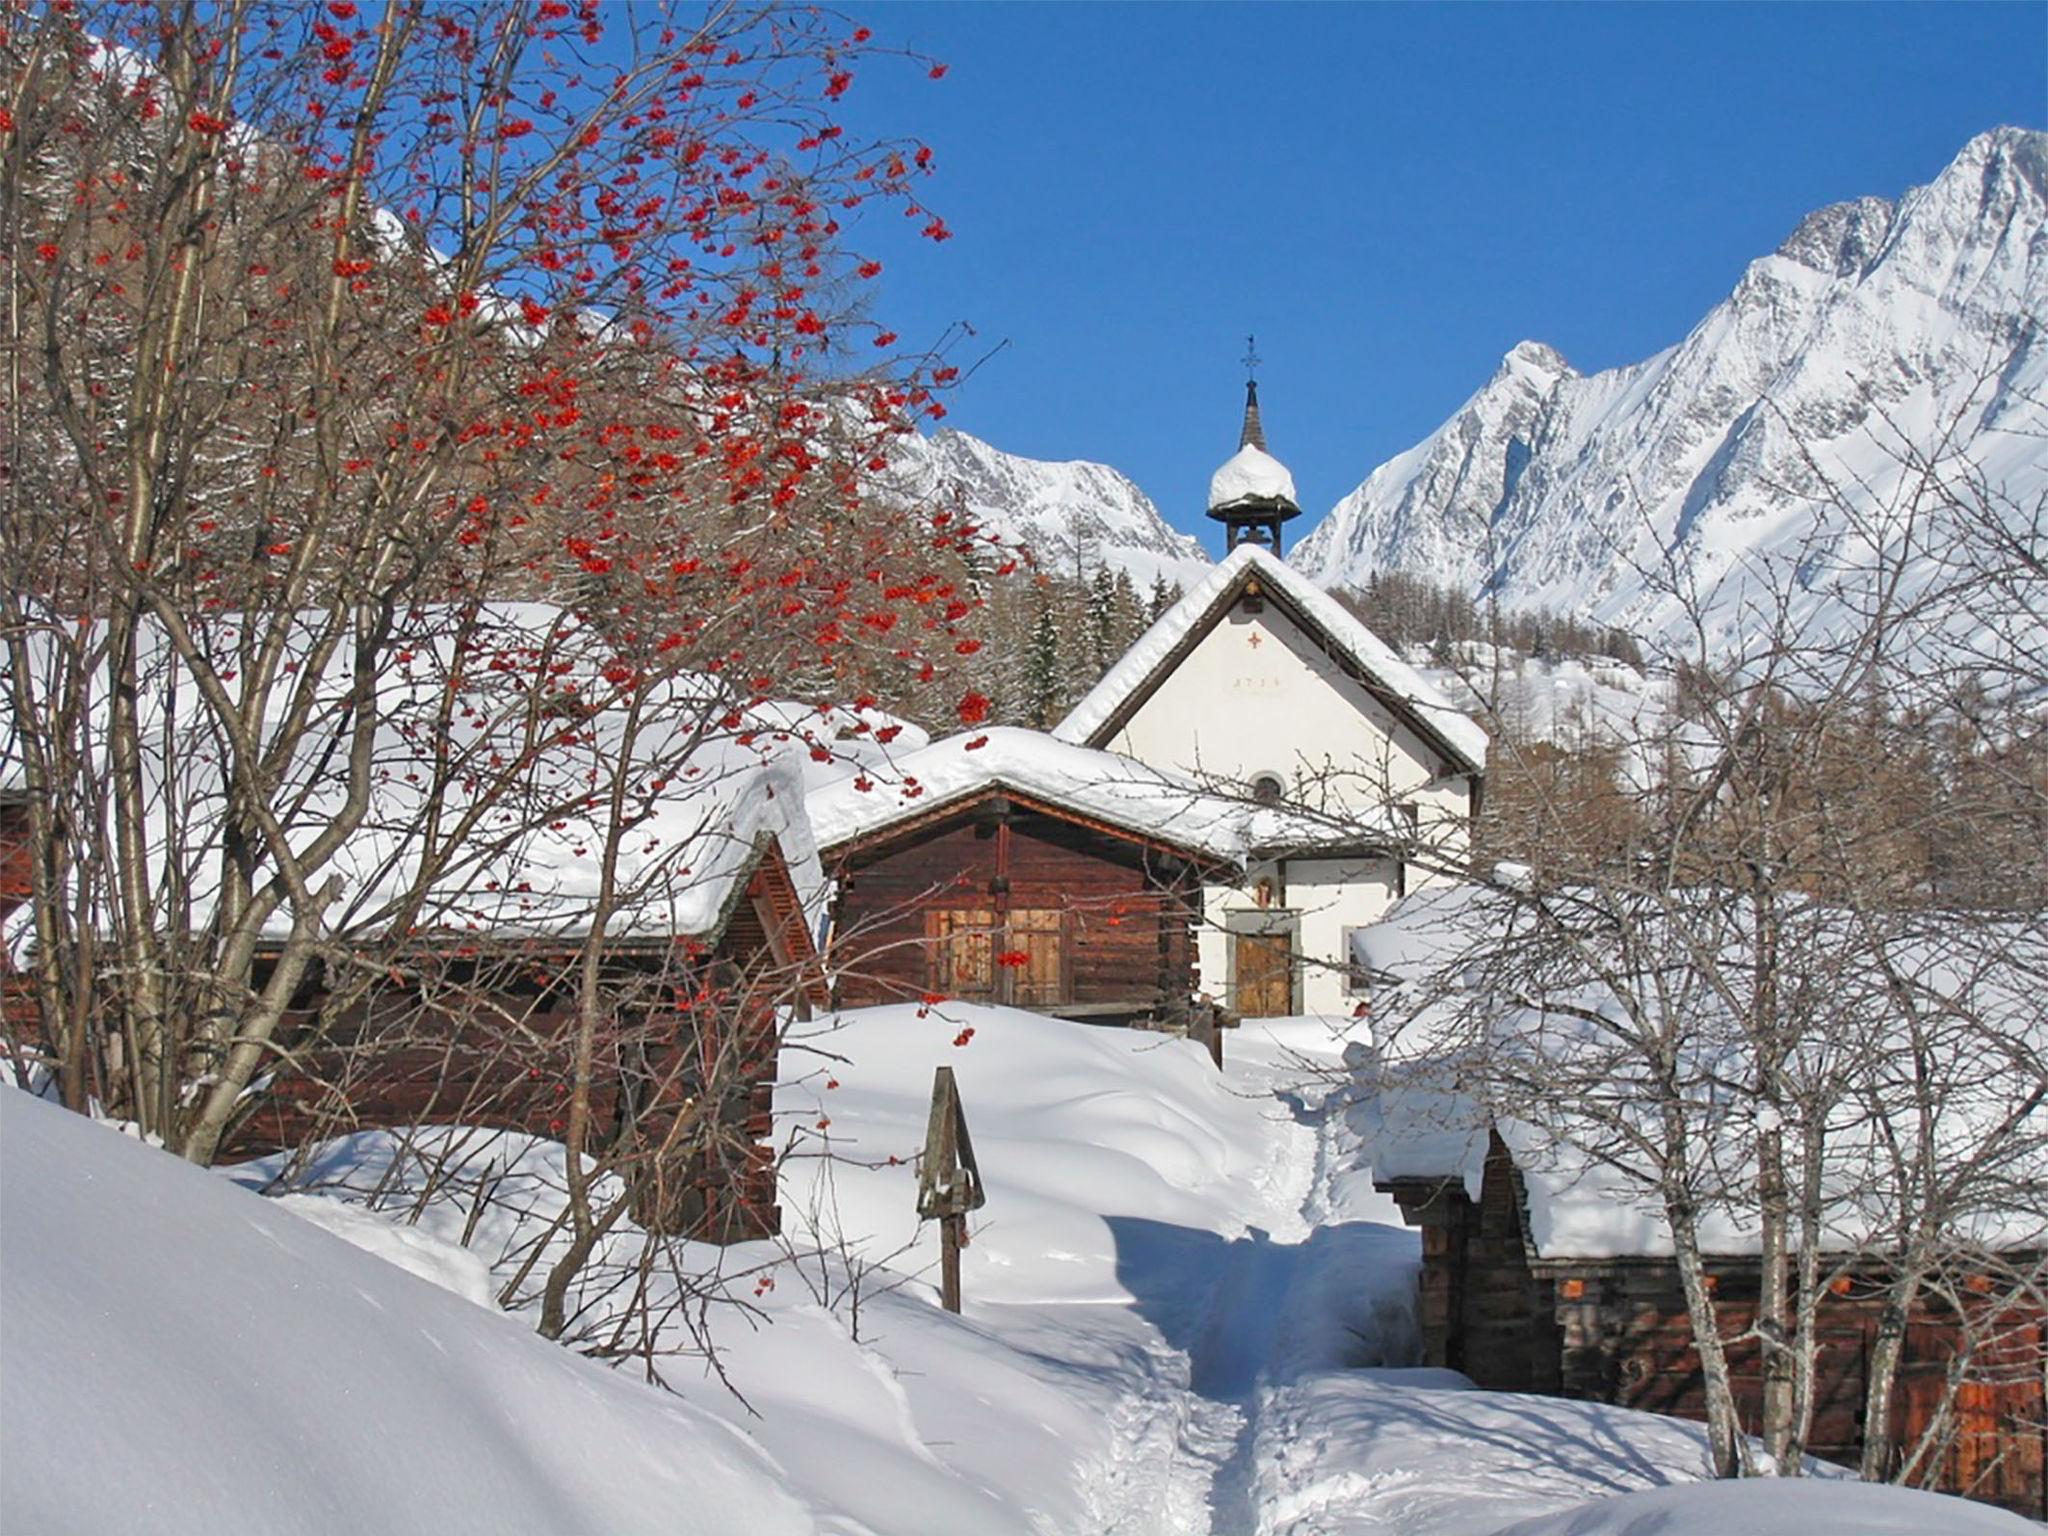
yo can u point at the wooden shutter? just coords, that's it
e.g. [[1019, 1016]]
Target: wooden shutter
[[1037, 934], [960, 951]]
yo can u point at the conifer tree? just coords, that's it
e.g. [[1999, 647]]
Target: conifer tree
[[1102, 645], [1044, 690], [1157, 601], [1126, 615]]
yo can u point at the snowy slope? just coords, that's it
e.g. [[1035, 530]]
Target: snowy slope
[[1181, 1299], [1874, 322], [1067, 514], [183, 1356]]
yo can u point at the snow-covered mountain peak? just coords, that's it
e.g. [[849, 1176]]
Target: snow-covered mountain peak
[[1533, 360], [1842, 238], [1072, 515], [1436, 499], [1875, 327]]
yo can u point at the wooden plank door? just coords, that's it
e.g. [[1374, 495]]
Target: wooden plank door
[[1037, 934], [960, 951], [1264, 966], [1995, 1451]]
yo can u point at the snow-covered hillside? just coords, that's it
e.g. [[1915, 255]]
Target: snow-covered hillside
[[182, 1356], [1073, 515], [1183, 1301], [1873, 328]]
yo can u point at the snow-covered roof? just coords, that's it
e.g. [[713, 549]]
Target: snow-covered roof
[[1588, 1194], [1208, 600], [1250, 474], [510, 830], [1145, 801]]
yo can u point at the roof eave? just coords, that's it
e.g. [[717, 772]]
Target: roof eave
[[1204, 859]]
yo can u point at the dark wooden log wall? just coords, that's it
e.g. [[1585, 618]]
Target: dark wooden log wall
[[15, 872], [504, 1061], [1126, 915], [1618, 1331], [1482, 1309]]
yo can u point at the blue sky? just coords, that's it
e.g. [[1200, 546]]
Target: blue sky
[[1390, 195]]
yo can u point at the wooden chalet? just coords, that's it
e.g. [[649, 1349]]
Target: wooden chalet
[[14, 852], [1022, 872], [483, 1034], [698, 1011], [1548, 1260], [1616, 1329]]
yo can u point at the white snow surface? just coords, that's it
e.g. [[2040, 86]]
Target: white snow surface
[[704, 797], [1250, 474], [1583, 1201], [1776, 1508], [1149, 802], [434, 1259], [260, 1375], [1185, 1314], [1338, 628], [1717, 463]]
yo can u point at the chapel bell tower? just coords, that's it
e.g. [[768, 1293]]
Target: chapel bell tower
[[1252, 494]]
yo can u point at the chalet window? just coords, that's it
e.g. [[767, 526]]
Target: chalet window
[[960, 951], [1267, 788], [1357, 974]]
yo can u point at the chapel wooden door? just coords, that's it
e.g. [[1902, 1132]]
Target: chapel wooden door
[[1264, 967]]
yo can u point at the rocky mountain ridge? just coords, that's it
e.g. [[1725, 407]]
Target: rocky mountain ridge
[[1772, 439], [1072, 516]]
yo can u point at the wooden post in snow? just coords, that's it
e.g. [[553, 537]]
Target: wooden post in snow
[[948, 1183]]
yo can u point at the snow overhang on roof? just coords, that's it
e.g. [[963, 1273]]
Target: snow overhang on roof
[[1250, 475], [705, 807], [1407, 691], [1585, 1196], [1100, 786]]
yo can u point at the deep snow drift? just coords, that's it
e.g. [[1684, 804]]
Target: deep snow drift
[[183, 1356], [1181, 1299]]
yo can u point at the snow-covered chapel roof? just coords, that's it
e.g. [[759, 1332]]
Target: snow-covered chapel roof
[[1095, 720]]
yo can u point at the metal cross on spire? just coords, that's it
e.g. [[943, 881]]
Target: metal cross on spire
[[1253, 434]]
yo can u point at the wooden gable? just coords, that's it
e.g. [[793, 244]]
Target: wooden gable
[[1004, 898]]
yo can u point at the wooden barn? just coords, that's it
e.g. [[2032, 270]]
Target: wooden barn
[[1513, 1126], [1616, 1329], [14, 851], [490, 1042], [1010, 868], [478, 1025]]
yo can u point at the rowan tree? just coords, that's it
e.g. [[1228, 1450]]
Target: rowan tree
[[336, 332]]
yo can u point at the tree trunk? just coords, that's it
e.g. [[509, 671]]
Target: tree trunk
[[1886, 1351]]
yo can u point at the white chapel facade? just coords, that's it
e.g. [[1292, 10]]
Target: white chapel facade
[[1260, 682]]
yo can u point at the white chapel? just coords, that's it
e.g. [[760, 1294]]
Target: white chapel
[[1260, 682]]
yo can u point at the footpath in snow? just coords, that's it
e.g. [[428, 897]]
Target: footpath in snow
[[1187, 1314]]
